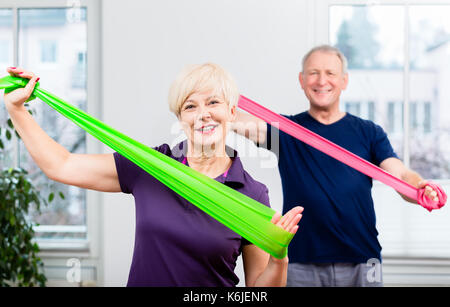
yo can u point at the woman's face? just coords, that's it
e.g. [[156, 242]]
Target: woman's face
[[204, 117]]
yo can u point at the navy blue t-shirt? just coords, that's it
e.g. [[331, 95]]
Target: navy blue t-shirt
[[338, 223]]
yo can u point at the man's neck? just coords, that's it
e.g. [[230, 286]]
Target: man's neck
[[326, 116]]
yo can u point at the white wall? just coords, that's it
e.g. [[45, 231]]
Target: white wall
[[261, 43], [147, 42]]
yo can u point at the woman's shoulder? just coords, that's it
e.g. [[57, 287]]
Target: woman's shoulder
[[126, 164], [255, 189], [163, 148]]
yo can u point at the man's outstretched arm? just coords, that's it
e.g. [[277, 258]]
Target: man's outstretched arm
[[396, 168], [250, 126]]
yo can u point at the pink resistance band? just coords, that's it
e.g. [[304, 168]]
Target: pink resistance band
[[343, 155]]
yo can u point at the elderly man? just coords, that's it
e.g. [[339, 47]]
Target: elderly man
[[339, 235]]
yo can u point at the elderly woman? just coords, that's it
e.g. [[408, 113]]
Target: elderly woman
[[176, 244]]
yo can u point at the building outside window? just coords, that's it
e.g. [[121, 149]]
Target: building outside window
[[48, 51], [43, 35], [399, 60], [373, 39]]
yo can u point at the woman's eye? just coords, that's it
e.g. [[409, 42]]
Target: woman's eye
[[213, 102], [189, 106]]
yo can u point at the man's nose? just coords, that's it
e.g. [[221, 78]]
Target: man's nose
[[322, 80]]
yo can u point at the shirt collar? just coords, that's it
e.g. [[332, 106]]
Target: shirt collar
[[235, 172]]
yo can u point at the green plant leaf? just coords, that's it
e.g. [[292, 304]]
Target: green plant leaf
[[8, 135], [19, 263]]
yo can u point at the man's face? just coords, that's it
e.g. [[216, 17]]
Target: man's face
[[322, 80]]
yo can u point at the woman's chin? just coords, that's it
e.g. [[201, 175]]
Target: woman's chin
[[208, 142]]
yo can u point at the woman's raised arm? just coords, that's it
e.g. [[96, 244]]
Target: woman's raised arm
[[96, 172]]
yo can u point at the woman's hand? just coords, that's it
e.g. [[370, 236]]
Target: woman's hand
[[18, 97], [288, 221], [262, 269]]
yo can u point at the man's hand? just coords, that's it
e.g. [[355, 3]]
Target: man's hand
[[429, 191], [431, 196]]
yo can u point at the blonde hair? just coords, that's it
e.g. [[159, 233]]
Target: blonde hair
[[199, 78]]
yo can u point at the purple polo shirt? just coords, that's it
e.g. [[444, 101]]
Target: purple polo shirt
[[177, 244]]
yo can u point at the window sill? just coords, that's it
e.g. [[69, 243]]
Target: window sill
[[61, 247], [62, 244]]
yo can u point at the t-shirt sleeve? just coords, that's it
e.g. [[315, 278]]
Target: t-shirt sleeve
[[129, 173], [381, 147], [273, 138], [268, 141], [264, 196], [263, 199]]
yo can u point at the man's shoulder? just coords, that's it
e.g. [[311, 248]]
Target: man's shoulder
[[299, 117], [361, 122]]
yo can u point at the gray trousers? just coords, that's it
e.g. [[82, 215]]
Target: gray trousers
[[334, 275]]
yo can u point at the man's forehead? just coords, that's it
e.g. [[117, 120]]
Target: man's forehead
[[323, 60]]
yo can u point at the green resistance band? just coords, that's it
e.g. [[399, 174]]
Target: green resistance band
[[240, 213]]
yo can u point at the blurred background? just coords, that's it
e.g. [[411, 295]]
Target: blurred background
[[116, 60]]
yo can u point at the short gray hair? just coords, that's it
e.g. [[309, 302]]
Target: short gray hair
[[328, 49]]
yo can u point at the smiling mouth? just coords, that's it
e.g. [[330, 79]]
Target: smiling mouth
[[322, 91], [207, 129]]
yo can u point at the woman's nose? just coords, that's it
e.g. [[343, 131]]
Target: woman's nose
[[203, 114]]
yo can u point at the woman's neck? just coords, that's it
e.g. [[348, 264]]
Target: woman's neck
[[211, 162]]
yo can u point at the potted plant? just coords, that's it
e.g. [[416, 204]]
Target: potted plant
[[19, 261]]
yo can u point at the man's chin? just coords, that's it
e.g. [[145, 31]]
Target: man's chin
[[323, 106]]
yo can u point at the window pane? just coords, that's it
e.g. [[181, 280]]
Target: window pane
[[353, 108], [48, 51], [6, 60], [430, 76], [376, 75], [374, 49], [50, 44], [371, 111]]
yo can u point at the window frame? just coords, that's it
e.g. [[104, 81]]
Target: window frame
[[403, 215], [321, 36], [89, 247]]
